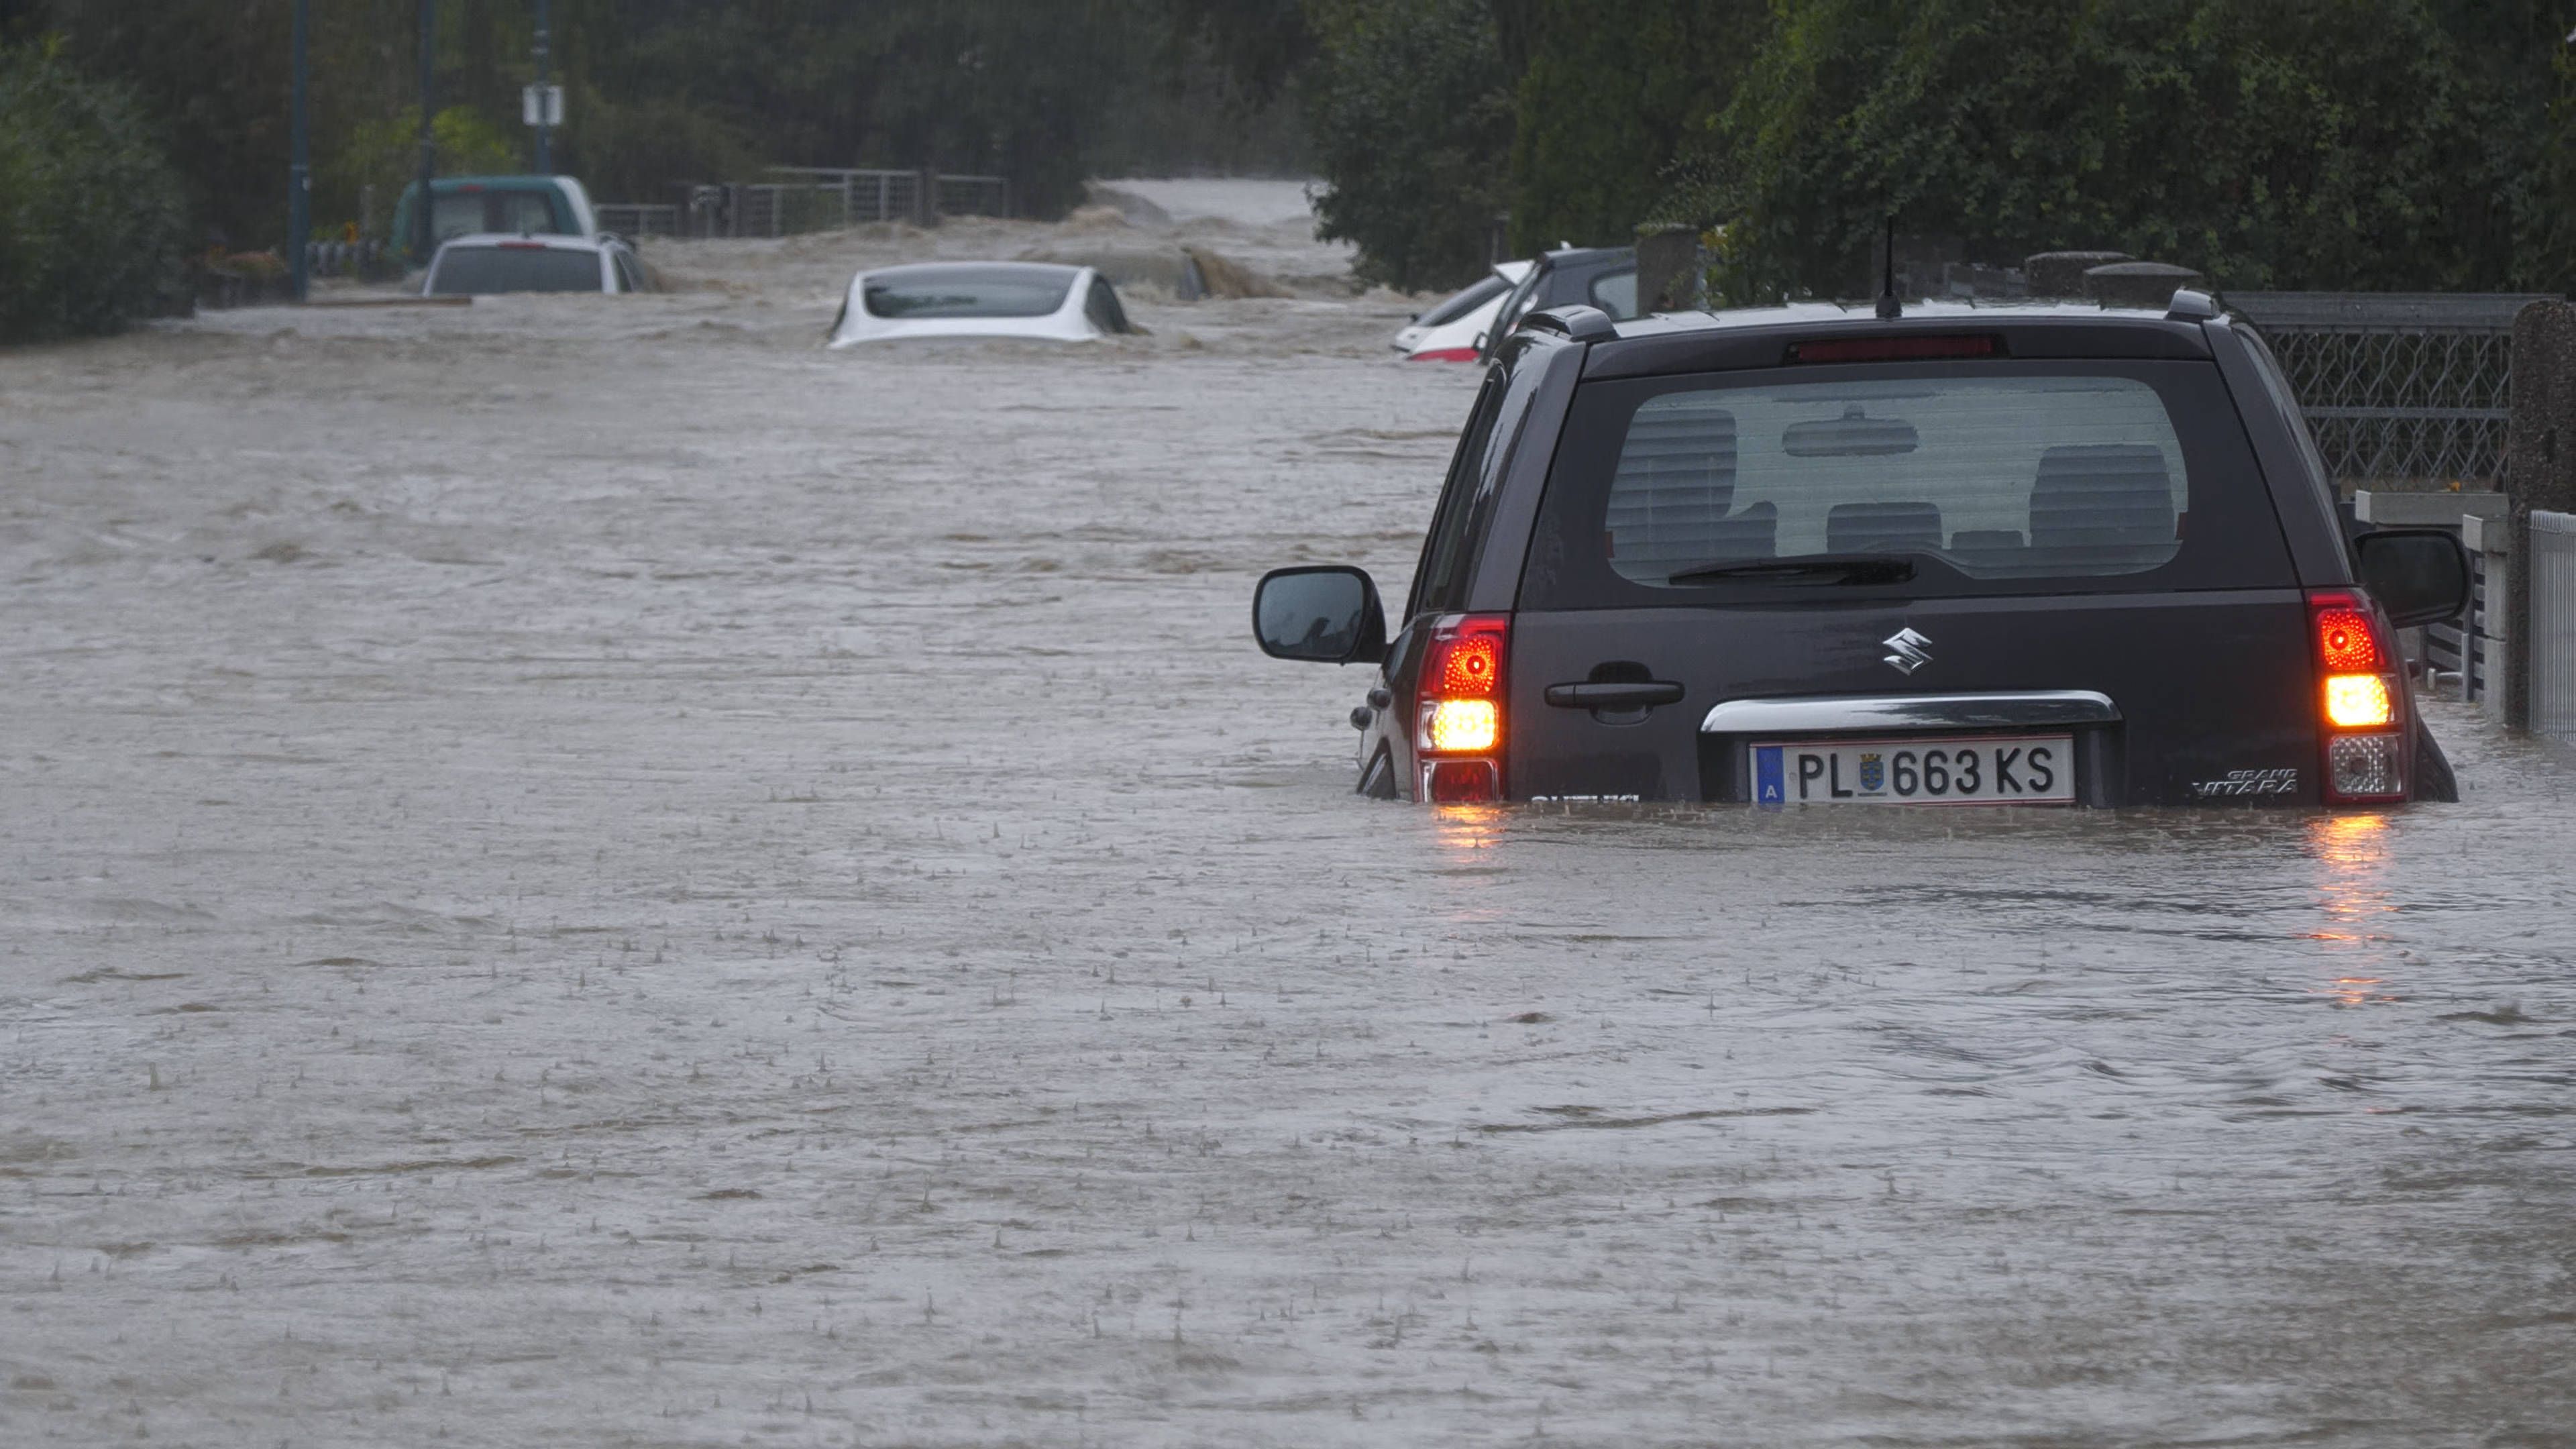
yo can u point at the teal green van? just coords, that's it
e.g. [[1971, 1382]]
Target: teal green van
[[463, 205]]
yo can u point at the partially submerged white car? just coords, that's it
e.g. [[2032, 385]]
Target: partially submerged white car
[[1450, 331], [979, 299], [484, 264]]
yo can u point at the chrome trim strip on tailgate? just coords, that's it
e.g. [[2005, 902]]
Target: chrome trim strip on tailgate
[[1910, 712]]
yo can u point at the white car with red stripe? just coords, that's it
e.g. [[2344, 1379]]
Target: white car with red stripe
[[1451, 331]]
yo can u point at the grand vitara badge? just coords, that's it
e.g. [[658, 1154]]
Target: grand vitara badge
[[1908, 651]]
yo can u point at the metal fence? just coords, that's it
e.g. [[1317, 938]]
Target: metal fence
[[2397, 387], [974, 196], [632, 220], [820, 198], [2553, 623], [2455, 654]]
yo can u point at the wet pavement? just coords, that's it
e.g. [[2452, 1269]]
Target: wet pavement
[[581, 871]]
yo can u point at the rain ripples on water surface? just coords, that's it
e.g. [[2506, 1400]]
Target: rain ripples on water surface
[[596, 874]]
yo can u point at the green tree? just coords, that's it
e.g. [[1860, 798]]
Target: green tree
[[1607, 95], [2368, 144], [1410, 116], [90, 214]]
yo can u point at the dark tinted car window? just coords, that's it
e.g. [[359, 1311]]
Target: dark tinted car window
[[1440, 583], [2277, 386], [481, 271], [1990, 478], [1102, 308], [968, 291]]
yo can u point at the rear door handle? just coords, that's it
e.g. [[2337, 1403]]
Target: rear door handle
[[1620, 694]]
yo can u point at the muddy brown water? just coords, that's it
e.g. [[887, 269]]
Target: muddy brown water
[[585, 872]]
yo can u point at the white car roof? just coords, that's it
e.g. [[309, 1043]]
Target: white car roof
[[552, 241], [1067, 323]]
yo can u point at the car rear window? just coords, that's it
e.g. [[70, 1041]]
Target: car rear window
[[460, 213], [481, 271], [1998, 478], [967, 292]]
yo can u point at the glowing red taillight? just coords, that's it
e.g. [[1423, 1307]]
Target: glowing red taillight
[[1443, 354], [2358, 696], [1470, 666], [1458, 723], [2346, 643]]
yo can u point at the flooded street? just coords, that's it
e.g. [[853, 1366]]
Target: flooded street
[[583, 871]]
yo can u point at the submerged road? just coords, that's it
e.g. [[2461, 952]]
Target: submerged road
[[584, 872]]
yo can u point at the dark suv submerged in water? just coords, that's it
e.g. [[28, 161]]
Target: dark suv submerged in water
[[2046, 554]]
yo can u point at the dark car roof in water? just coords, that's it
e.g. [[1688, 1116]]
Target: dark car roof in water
[[1758, 336]]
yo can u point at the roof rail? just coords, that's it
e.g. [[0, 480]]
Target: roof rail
[[1582, 324], [2191, 306]]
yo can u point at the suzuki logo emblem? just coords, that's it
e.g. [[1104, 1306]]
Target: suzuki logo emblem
[[1911, 651]]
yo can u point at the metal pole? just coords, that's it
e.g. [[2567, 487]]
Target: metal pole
[[299, 167], [424, 239], [545, 149]]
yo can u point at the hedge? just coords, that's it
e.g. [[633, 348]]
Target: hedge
[[92, 225]]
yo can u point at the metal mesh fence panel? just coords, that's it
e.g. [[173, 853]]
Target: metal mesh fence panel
[[2399, 388]]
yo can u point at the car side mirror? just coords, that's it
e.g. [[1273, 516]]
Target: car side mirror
[[1328, 613], [2419, 575]]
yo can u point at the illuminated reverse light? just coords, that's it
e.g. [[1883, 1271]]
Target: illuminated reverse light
[[2358, 701], [1465, 726]]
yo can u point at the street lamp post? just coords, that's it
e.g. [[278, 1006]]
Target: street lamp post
[[299, 166], [545, 133], [421, 234]]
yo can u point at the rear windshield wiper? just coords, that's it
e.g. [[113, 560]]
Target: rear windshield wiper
[[1823, 568]]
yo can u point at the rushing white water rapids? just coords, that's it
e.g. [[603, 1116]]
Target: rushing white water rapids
[[582, 871]]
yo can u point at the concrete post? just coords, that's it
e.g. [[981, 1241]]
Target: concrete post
[[1667, 255], [2539, 472], [925, 197]]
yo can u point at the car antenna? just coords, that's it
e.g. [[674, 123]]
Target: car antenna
[[1889, 309]]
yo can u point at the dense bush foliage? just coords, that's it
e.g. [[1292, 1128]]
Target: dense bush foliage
[[90, 215], [1605, 99], [2327, 143], [1409, 113], [2349, 144], [2365, 144]]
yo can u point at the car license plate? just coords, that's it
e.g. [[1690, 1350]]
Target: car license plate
[[1934, 770]]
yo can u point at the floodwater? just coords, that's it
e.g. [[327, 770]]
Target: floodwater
[[581, 871]]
